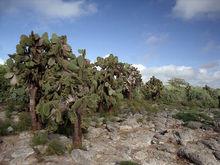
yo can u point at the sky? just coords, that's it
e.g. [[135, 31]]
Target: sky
[[164, 38]]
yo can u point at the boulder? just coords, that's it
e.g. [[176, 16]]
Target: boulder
[[194, 124], [197, 154], [81, 157]]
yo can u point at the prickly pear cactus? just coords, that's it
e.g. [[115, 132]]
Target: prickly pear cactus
[[68, 88], [109, 83], [27, 66], [153, 88]]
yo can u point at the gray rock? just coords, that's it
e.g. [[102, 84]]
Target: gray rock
[[217, 125], [217, 154], [183, 136], [194, 124], [198, 154], [2, 115], [130, 122], [95, 132], [81, 157], [211, 144], [111, 127], [10, 129], [170, 148], [22, 152], [40, 149], [125, 128]]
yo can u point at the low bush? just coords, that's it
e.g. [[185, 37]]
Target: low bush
[[24, 123], [55, 147], [127, 163], [4, 127], [39, 138], [193, 115]]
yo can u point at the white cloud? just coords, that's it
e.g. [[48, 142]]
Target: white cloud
[[50, 9], [107, 55], [194, 76], [2, 61], [153, 39], [140, 67], [190, 9]]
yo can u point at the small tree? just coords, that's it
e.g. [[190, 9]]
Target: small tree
[[178, 82], [27, 66], [4, 85], [153, 88], [131, 79], [109, 83], [188, 89], [219, 101], [67, 89]]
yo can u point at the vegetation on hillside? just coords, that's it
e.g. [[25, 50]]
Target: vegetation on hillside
[[62, 90]]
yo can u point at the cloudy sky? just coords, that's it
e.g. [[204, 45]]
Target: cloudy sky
[[165, 38]]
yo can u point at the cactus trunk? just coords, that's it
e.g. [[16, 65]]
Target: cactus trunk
[[32, 95], [219, 101], [77, 133], [100, 107]]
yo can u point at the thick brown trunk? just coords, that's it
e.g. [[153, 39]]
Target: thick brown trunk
[[100, 107], [129, 93], [32, 104], [110, 109], [219, 101], [77, 133]]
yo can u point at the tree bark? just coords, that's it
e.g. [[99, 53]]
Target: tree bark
[[77, 132], [110, 109], [100, 107], [32, 104], [219, 101], [129, 92]]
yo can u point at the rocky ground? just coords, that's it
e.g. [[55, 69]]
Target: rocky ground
[[146, 139]]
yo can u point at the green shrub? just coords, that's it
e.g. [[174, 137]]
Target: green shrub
[[173, 95], [4, 126], [187, 116], [24, 122], [4, 85], [55, 147], [39, 138], [127, 163], [8, 110], [216, 114], [202, 98]]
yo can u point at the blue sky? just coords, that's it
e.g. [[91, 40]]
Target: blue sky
[[165, 38]]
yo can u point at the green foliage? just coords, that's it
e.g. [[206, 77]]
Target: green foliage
[[202, 98], [55, 147], [194, 115], [178, 82], [4, 126], [188, 96], [39, 138], [9, 109], [153, 88], [70, 89], [4, 85], [127, 163], [24, 123], [173, 95]]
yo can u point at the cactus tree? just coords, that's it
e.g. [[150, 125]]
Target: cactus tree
[[109, 83], [27, 67], [153, 88], [68, 88]]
